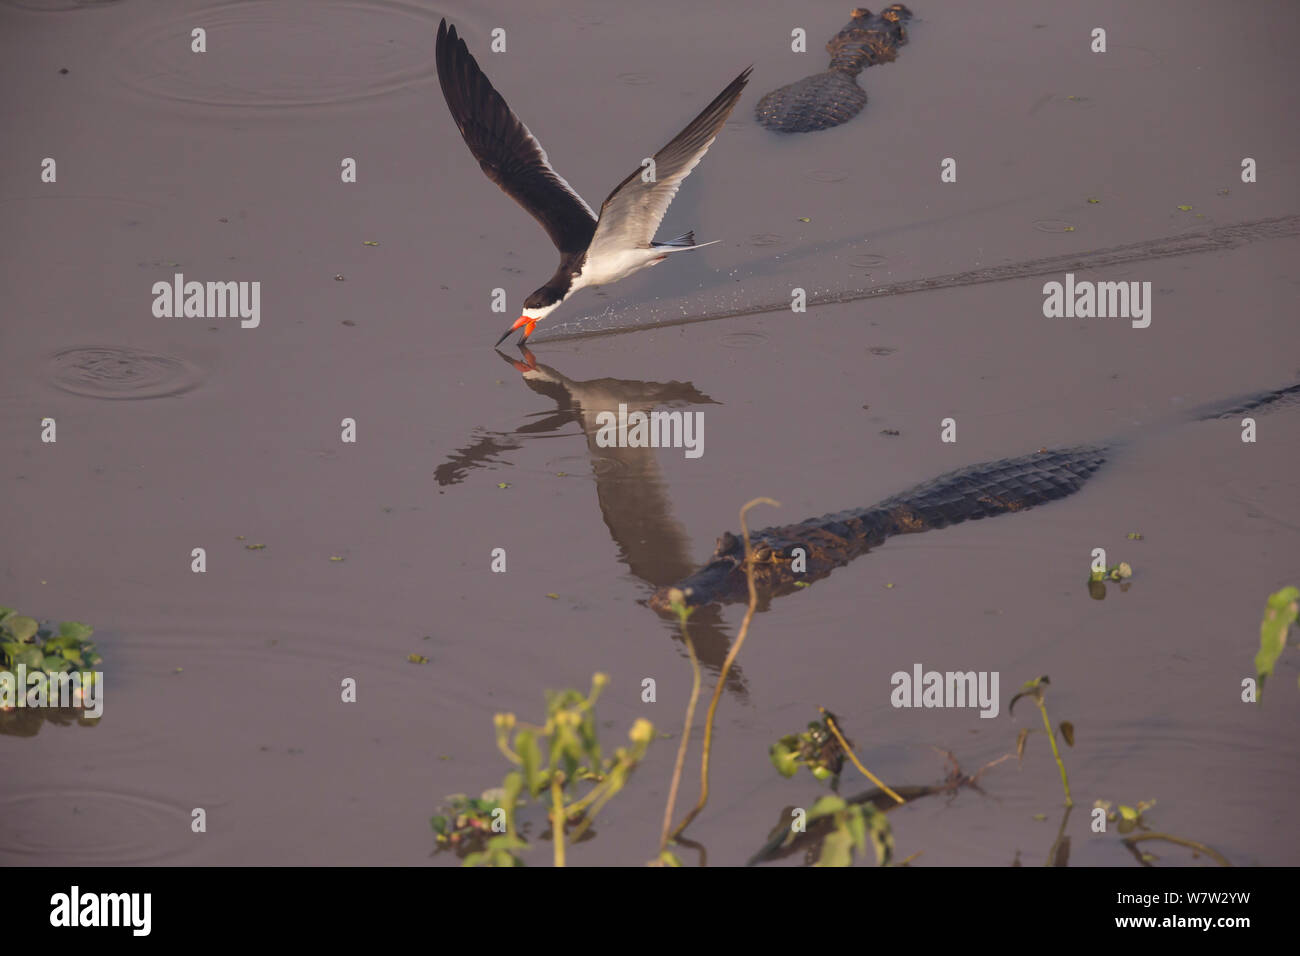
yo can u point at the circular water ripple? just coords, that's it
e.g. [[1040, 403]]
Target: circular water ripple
[[1054, 225], [826, 175], [764, 239], [87, 827], [635, 79], [743, 340], [867, 261], [281, 54], [118, 373], [603, 467]]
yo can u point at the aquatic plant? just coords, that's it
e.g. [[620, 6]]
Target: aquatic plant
[[1036, 689], [1279, 615], [43, 652], [573, 756]]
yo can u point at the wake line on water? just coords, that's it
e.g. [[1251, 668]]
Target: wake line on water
[[1212, 240]]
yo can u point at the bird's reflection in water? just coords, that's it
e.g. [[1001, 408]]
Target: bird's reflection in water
[[630, 488]]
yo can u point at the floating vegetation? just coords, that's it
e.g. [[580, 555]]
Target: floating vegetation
[[1115, 573], [1128, 818], [817, 748], [487, 832], [1279, 615], [32, 658]]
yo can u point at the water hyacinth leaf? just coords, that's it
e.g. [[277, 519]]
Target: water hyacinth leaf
[[21, 628], [29, 655], [75, 630]]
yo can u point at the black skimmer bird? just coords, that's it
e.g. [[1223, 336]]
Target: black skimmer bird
[[594, 250]]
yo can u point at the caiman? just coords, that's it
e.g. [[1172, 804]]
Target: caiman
[[833, 96], [978, 491]]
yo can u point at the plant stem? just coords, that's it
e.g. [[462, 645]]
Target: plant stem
[[726, 667], [1051, 738], [830, 722], [557, 817], [686, 738], [1181, 841]]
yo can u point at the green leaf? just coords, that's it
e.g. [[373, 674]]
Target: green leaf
[[837, 848], [75, 630], [1279, 615], [825, 806], [439, 825], [505, 841], [784, 757], [882, 834], [857, 826], [28, 654], [21, 628], [531, 754], [1128, 813]]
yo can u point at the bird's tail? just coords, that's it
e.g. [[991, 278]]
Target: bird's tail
[[680, 242]]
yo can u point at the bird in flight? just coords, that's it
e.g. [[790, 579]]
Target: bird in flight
[[594, 250]]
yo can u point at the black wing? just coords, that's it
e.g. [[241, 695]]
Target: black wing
[[507, 152]]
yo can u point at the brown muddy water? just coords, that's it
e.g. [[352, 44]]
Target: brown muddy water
[[223, 688]]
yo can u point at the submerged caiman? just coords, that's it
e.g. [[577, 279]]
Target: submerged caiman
[[833, 96], [979, 491]]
